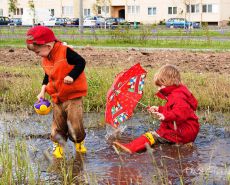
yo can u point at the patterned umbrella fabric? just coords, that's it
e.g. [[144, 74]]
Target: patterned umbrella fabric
[[123, 96]]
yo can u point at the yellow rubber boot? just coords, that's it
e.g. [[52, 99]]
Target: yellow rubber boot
[[80, 147], [57, 150]]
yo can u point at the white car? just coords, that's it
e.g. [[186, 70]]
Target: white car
[[89, 22], [54, 22]]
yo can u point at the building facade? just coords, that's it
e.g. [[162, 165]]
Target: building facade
[[144, 11], [57, 8]]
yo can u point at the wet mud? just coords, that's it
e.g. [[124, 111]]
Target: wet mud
[[187, 61], [207, 161]]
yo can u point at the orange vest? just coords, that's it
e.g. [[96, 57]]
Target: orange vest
[[57, 68]]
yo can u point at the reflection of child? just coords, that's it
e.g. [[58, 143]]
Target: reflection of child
[[179, 123], [65, 82]]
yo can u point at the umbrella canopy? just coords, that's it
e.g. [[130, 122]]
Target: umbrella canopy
[[123, 96]]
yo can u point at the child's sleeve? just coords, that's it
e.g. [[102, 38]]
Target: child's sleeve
[[45, 79], [179, 111], [75, 59], [161, 109]]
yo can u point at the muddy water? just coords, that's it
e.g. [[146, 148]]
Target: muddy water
[[206, 162]]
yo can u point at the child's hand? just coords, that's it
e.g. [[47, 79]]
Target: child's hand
[[41, 95], [68, 80], [161, 87], [159, 116], [153, 109]]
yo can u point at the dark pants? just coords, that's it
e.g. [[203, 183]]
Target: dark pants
[[68, 121], [159, 139]]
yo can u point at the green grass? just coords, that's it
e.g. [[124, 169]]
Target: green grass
[[15, 164], [18, 92], [123, 37], [130, 42]]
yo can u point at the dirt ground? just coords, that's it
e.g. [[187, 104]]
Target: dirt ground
[[200, 62]]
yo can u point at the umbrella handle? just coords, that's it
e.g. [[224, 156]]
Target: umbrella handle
[[146, 106]]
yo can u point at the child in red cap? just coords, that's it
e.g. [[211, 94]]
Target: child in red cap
[[65, 82], [179, 123]]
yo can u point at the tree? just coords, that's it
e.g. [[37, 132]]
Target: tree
[[189, 3], [32, 8], [103, 4], [12, 6]]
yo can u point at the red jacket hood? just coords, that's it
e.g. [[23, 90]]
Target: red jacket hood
[[179, 91]]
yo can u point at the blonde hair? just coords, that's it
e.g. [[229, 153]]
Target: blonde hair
[[167, 75], [32, 46]]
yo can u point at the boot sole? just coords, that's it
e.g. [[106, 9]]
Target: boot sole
[[119, 145]]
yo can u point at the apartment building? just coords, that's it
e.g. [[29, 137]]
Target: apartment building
[[59, 8], [144, 11]]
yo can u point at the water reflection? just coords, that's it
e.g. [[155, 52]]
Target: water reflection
[[206, 162]]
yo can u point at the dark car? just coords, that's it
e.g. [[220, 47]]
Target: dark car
[[75, 21], [4, 20], [67, 21], [181, 23], [15, 22], [114, 22]]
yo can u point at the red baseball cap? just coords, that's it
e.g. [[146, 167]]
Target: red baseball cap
[[40, 35]]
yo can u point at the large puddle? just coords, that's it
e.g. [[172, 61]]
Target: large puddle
[[206, 162]]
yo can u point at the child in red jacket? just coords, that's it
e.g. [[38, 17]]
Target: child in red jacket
[[179, 123]]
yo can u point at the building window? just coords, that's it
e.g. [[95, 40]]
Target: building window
[[210, 8], [204, 8], [99, 10], [86, 12], [172, 10], [193, 8], [1, 12], [134, 9], [152, 11], [129, 9], [197, 6], [105, 9], [137, 9], [187, 8], [18, 11], [215, 8], [67, 10], [51, 12]]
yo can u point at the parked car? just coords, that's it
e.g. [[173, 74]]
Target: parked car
[[15, 22], [94, 21], [181, 23], [75, 21], [113, 22], [89, 22], [55, 22], [67, 21], [4, 20], [100, 21]]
